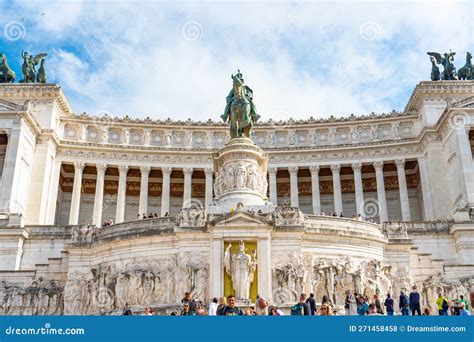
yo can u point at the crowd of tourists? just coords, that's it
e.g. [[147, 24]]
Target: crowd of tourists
[[357, 217], [354, 304], [144, 216]]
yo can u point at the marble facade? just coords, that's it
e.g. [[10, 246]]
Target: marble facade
[[64, 175]]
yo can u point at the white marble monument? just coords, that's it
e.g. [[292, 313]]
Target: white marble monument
[[409, 175]]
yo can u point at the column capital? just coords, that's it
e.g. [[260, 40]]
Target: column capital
[[314, 169], [293, 169], [378, 165], [166, 170], [101, 167], [123, 168], [272, 170], [356, 167], [145, 169], [400, 163], [188, 171], [79, 166], [335, 167], [208, 171]]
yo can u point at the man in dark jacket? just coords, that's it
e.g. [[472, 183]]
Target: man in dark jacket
[[404, 303], [306, 307], [312, 304], [415, 302], [389, 305], [127, 311]]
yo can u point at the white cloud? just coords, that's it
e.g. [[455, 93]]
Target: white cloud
[[301, 59]]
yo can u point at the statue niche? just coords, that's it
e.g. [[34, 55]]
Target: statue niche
[[241, 268]]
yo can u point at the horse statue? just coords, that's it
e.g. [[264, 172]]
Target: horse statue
[[41, 74], [240, 110], [28, 67], [466, 72], [449, 72], [435, 74], [7, 75]]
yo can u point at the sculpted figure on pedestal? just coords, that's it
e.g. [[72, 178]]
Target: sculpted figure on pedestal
[[252, 177], [288, 216], [395, 230], [446, 60], [240, 176], [83, 234], [126, 136], [241, 268], [240, 110], [147, 137], [104, 136], [191, 217], [29, 68], [122, 289], [229, 177], [7, 75]]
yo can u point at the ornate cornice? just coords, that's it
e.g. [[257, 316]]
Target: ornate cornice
[[35, 91], [437, 90], [192, 124]]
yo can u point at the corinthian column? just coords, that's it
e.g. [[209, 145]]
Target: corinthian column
[[294, 186], [336, 180], [143, 205], [99, 195], [402, 186], [315, 189], [188, 173], [359, 192], [272, 179], [121, 194], [76, 193], [208, 196], [381, 191], [165, 191]]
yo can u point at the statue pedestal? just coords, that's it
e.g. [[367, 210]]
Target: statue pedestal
[[241, 177]]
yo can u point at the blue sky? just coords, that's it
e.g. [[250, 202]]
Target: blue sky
[[174, 59]]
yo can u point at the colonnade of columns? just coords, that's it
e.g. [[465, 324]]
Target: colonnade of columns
[[272, 172], [122, 190], [359, 193]]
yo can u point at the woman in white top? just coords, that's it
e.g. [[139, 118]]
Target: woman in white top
[[213, 307]]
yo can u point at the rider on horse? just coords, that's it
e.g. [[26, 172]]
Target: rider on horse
[[247, 95]]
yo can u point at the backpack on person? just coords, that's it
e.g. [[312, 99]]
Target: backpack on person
[[445, 305], [297, 310]]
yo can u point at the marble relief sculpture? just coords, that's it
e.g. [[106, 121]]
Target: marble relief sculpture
[[333, 276], [138, 283], [241, 175]]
